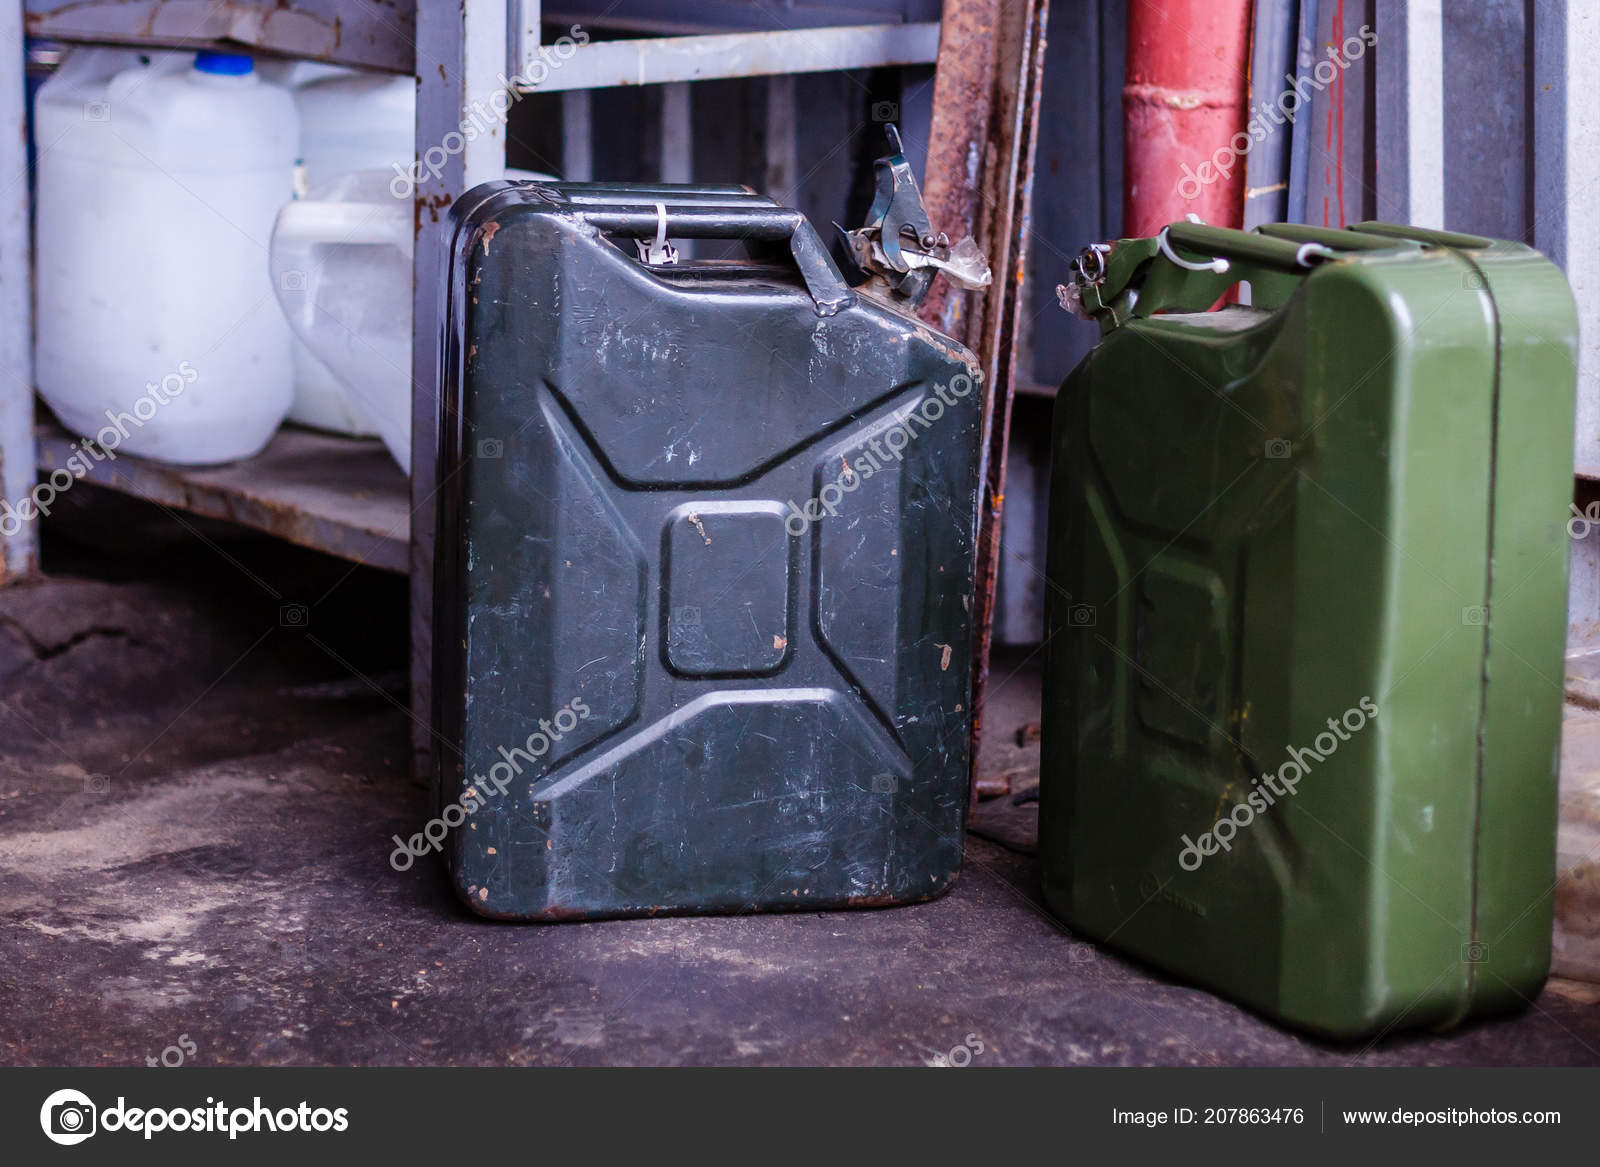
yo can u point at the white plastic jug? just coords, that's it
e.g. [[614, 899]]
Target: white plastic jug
[[348, 122], [159, 180], [341, 263]]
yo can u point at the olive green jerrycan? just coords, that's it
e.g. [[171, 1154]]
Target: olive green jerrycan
[[1308, 563]]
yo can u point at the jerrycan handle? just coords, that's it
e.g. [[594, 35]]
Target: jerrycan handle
[[1188, 266], [728, 218]]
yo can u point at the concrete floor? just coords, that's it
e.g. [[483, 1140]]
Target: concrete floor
[[196, 800]]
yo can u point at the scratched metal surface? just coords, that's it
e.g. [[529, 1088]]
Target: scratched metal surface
[[758, 715]]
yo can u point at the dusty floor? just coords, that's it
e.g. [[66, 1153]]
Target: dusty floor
[[198, 781]]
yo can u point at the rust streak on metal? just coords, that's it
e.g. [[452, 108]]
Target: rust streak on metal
[[963, 96], [980, 183], [432, 204]]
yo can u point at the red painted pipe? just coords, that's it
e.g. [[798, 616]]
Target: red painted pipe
[[1183, 108]]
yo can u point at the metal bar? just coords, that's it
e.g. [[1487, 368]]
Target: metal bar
[[523, 31], [1072, 154], [979, 183], [1112, 66], [659, 60], [1300, 133], [684, 17], [16, 301], [379, 36], [1335, 92], [1582, 230], [1392, 180], [577, 136], [1425, 112], [461, 49], [916, 115], [1273, 34], [963, 98], [677, 133], [780, 142], [1547, 81]]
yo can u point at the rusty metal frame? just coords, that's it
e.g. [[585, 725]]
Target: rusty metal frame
[[377, 36], [18, 540], [980, 183]]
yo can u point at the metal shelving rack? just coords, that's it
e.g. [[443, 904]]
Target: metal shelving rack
[[977, 124]]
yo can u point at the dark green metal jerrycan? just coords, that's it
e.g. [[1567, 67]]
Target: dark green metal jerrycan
[[705, 562], [1304, 678]]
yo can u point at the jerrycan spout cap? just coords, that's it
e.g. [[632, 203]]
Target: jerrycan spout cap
[[224, 64]]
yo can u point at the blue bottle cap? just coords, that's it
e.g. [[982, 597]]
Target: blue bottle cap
[[224, 64]]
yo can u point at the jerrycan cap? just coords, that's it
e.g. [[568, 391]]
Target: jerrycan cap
[[224, 64]]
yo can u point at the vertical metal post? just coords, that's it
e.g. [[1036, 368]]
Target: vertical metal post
[[1274, 32], [677, 132], [980, 182], [461, 59], [677, 142], [1424, 28], [577, 136], [1392, 180], [1547, 82], [1583, 232], [523, 33], [782, 172], [916, 114], [16, 300], [1577, 185]]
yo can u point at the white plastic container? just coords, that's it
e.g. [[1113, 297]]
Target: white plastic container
[[361, 121], [342, 267], [341, 264], [348, 122], [159, 182], [291, 74]]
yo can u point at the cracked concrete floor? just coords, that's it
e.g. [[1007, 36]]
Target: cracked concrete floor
[[195, 808]]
